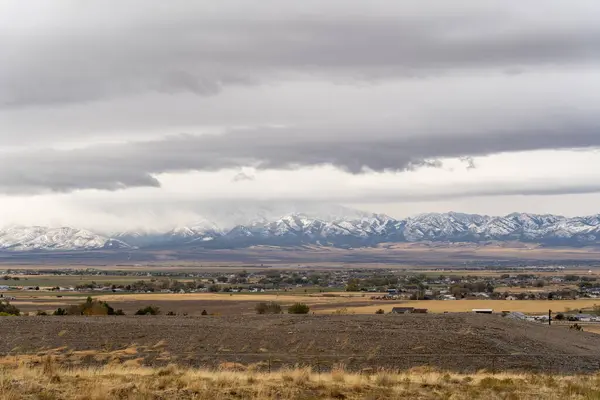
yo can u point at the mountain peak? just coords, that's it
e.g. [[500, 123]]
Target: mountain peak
[[299, 228]]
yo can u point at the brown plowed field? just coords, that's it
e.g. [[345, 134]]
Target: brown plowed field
[[460, 342]]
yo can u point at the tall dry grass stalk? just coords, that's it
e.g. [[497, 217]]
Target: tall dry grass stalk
[[45, 379]]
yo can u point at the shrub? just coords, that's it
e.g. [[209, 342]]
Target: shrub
[[149, 310], [380, 311], [203, 312], [171, 313], [342, 311], [298, 308], [40, 312], [60, 311], [559, 317], [576, 327], [8, 309], [89, 307], [268, 308]]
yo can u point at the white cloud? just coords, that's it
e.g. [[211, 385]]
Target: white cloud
[[501, 183]]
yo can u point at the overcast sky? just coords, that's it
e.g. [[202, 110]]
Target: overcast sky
[[117, 114]]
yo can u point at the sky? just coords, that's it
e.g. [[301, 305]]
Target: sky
[[145, 113]]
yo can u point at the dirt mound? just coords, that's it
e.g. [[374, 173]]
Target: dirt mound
[[461, 342]]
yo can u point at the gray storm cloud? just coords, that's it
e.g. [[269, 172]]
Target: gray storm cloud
[[71, 56], [109, 49], [119, 166]]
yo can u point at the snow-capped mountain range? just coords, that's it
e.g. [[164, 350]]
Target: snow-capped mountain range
[[22, 238], [298, 229]]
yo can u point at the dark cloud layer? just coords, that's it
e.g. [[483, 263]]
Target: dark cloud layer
[[69, 55], [114, 48], [113, 167]]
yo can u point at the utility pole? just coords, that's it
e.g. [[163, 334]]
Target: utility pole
[[549, 317]]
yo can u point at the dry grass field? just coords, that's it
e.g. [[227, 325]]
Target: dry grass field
[[102, 358], [386, 255], [45, 379]]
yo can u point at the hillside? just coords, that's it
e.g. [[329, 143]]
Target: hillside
[[458, 342]]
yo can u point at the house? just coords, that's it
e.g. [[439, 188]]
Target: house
[[483, 310], [586, 317], [448, 297], [516, 315], [3, 287], [420, 311], [402, 310]]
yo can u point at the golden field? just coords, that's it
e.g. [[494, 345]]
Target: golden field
[[45, 379]]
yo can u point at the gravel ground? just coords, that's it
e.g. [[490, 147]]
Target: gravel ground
[[459, 342]]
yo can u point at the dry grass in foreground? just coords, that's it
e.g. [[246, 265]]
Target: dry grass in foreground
[[48, 381]]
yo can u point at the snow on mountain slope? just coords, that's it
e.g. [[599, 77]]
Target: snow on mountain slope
[[359, 229], [451, 227], [42, 238]]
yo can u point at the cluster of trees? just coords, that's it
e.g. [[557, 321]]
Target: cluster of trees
[[382, 283], [148, 310], [575, 278], [151, 285], [97, 307], [89, 307], [268, 308], [562, 317], [275, 308], [276, 278], [464, 289], [8, 277], [8, 309]]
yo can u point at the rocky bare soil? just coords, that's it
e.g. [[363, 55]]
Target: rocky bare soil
[[459, 342]]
